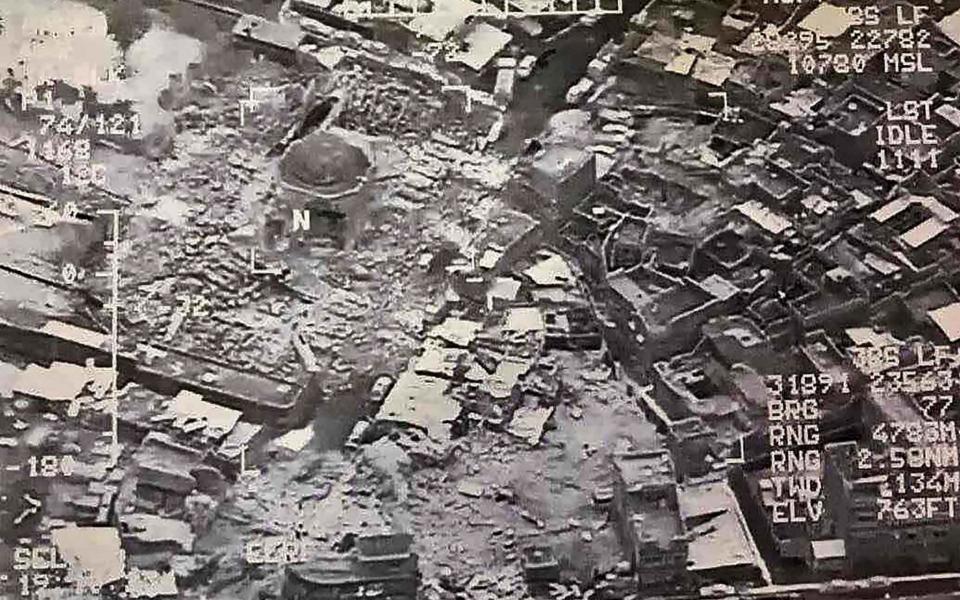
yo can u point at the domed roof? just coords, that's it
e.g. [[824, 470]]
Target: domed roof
[[323, 160]]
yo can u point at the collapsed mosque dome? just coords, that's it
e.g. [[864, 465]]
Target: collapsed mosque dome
[[324, 162]]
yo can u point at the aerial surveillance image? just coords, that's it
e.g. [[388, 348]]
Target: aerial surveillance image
[[479, 299]]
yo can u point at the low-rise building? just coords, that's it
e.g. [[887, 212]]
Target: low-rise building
[[721, 548], [563, 176], [875, 539], [649, 525], [378, 562]]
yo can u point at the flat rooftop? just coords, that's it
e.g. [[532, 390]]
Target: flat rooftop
[[645, 469]]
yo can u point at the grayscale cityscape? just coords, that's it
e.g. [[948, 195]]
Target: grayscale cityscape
[[479, 299]]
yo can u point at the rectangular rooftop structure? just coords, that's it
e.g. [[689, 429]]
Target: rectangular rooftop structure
[[947, 318], [281, 39], [950, 26], [898, 205], [828, 20], [564, 174], [720, 545], [643, 470], [924, 232], [421, 401], [482, 44], [763, 217]]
